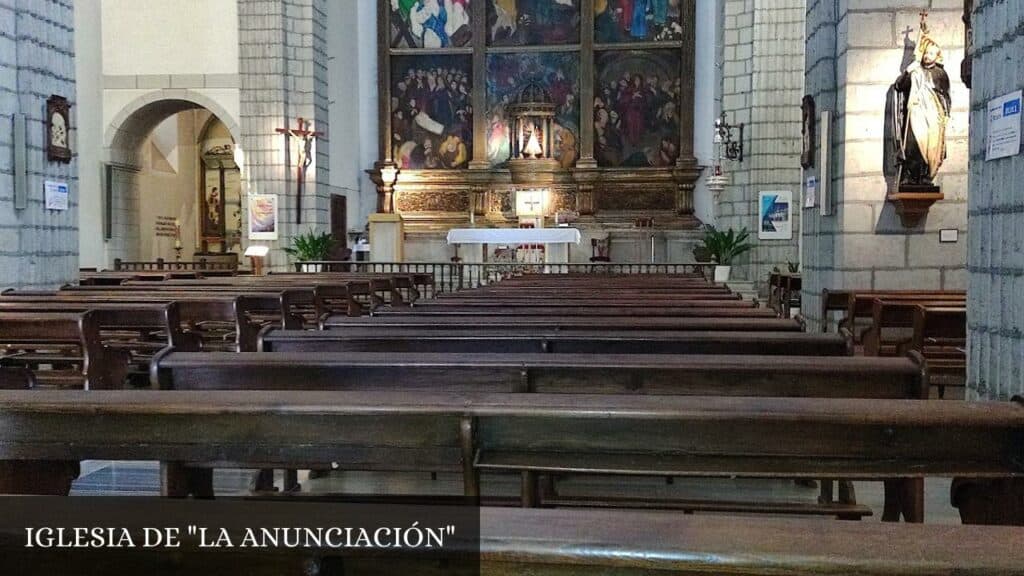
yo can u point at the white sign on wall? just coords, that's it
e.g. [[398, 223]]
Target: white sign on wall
[[1004, 118], [56, 194]]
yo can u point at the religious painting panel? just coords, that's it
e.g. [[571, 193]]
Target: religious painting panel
[[637, 21], [212, 222], [533, 22], [431, 111], [636, 108], [556, 72], [430, 23]]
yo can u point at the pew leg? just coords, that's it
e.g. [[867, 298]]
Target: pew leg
[[263, 481], [891, 510], [180, 481], [826, 495], [38, 478], [847, 495], [912, 500], [291, 481], [994, 502], [470, 473], [530, 488]]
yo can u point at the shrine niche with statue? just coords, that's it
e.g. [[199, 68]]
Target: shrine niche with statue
[[582, 101]]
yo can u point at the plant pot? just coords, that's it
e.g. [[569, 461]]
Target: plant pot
[[722, 274]]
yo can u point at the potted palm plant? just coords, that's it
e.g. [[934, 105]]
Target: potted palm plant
[[724, 248], [311, 247]]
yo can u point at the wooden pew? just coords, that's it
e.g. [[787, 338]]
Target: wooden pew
[[485, 323], [676, 374], [940, 337], [134, 331], [557, 373], [62, 349], [888, 315], [528, 434], [459, 341], [220, 321], [636, 301], [611, 310], [840, 301]]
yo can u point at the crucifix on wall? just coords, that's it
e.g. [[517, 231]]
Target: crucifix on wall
[[306, 137]]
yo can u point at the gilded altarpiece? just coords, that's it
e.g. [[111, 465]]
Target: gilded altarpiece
[[619, 73]]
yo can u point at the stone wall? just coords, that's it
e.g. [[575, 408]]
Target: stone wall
[[762, 84], [996, 292], [855, 50], [38, 247]]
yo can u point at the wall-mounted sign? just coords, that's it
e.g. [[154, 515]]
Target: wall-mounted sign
[[56, 194], [263, 217], [1004, 118], [775, 215], [811, 192], [58, 129]]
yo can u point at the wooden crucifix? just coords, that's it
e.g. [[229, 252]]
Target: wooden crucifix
[[307, 137]]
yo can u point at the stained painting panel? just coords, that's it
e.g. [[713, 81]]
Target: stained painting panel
[[533, 22], [636, 108], [637, 21], [558, 73], [431, 111], [430, 23]]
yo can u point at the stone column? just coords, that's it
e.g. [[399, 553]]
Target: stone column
[[995, 309], [40, 246]]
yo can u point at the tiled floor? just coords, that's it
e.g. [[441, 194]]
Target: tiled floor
[[143, 478]]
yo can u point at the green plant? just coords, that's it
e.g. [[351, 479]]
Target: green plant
[[726, 246], [794, 267], [311, 246]]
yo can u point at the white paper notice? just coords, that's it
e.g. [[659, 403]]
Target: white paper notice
[[56, 195], [811, 192], [1004, 126]]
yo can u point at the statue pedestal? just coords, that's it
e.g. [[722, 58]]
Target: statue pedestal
[[913, 201], [387, 238]]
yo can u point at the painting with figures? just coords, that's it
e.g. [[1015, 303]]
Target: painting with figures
[[558, 73], [430, 23], [533, 22], [431, 111], [636, 21], [636, 108]]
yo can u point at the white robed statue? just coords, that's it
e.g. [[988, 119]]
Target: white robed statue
[[922, 113]]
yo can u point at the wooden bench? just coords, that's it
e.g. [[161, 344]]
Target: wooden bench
[[61, 349], [564, 323], [524, 434], [940, 337], [898, 315], [568, 543], [840, 300], [459, 341], [469, 312]]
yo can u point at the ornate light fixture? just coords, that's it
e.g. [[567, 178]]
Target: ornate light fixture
[[531, 137], [723, 137]]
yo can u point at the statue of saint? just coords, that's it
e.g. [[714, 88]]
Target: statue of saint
[[922, 112]]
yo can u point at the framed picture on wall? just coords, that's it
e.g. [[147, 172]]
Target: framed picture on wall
[[58, 129], [775, 215], [263, 217]]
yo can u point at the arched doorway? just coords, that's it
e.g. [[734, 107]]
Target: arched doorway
[[175, 180]]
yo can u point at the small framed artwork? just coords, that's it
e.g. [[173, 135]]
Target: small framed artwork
[[58, 129], [263, 217], [776, 215]]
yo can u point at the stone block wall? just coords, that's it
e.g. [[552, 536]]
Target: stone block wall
[[762, 84], [38, 247], [996, 276], [855, 51]]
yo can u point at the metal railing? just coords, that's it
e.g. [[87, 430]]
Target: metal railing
[[161, 265], [452, 276]]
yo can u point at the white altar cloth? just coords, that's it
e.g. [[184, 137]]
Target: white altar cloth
[[514, 236]]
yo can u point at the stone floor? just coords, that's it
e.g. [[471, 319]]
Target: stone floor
[[142, 478]]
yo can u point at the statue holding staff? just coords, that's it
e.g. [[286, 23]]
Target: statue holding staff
[[922, 113]]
